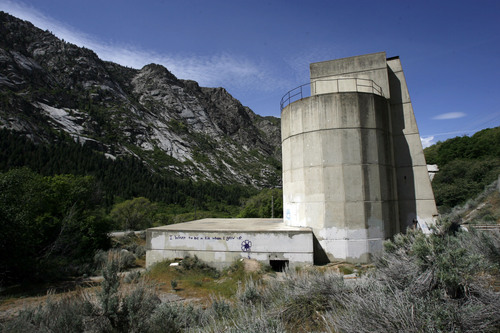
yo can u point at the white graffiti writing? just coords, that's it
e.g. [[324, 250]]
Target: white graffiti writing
[[205, 238]]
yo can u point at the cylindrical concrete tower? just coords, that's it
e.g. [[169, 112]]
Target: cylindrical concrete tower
[[338, 172], [353, 165]]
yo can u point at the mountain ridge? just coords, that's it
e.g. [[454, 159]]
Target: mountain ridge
[[173, 125]]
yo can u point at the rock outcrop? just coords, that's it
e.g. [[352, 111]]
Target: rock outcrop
[[48, 85]]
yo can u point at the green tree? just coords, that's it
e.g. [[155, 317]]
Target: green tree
[[466, 166], [267, 203], [462, 179], [135, 214], [47, 223]]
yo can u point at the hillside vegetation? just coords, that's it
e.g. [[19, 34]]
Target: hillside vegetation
[[466, 166], [59, 201], [443, 282]]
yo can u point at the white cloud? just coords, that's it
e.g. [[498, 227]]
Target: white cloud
[[237, 72], [427, 141], [450, 115], [221, 69]]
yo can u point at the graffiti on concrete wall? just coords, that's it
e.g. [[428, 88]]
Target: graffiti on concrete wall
[[205, 238], [246, 245]]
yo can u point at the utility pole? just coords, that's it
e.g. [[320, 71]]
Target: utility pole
[[272, 206]]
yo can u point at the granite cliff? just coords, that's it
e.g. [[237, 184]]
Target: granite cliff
[[175, 126]]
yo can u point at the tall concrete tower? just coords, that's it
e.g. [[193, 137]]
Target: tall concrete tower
[[353, 164]]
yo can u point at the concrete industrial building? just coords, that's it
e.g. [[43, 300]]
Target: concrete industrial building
[[353, 164], [220, 242], [354, 174]]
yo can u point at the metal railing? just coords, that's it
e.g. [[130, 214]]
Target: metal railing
[[332, 86]]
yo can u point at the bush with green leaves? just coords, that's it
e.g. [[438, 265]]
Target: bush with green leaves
[[264, 205], [48, 224], [466, 166], [134, 214], [193, 263]]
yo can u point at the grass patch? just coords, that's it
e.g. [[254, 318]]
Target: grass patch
[[196, 279]]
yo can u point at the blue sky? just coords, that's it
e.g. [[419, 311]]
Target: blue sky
[[258, 50]]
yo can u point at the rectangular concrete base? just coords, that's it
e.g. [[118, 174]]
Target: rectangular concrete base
[[220, 242]]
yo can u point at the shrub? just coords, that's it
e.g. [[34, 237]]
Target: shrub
[[249, 294], [66, 314], [195, 264], [173, 284], [378, 307], [173, 318], [301, 296], [123, 259], [132, 277], [250, 319], [113, 309], [136, 305], [425, 283], [220, 308]]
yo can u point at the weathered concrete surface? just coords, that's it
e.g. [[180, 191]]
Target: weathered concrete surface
[[338, 172], [353, 164], [369, 66], [220, 242], [354, 174], [415, 195]]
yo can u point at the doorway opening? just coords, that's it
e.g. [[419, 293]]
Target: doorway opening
[[278, 265]]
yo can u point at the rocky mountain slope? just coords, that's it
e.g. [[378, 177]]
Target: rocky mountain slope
[[48, 85]]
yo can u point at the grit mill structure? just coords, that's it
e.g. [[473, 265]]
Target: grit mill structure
[[354, 174], [353, 164]]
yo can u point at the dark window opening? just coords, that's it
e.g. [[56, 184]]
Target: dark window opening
[[278, 265]]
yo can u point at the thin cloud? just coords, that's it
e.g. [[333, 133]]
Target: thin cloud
[[223, 69], [450, 115], [427, 141], [490, 120]]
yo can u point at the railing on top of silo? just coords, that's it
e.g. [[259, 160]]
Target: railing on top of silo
[[328, 86]]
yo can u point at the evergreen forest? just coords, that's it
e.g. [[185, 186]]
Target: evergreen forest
[[59, 201]]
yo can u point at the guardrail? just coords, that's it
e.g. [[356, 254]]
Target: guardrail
[[328, 86]]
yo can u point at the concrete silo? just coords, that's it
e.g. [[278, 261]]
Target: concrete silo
[[353, 165], [354, 174]]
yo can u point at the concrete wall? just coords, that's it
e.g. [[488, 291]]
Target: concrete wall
[[338, 172], [369, 66], [220, 247], [416, 198], [353, 163]]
